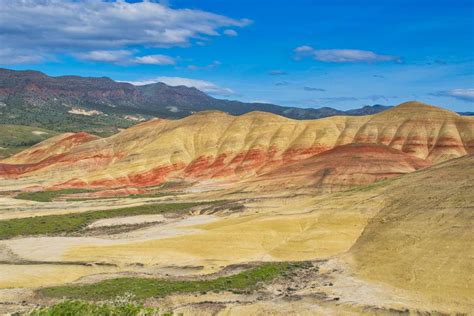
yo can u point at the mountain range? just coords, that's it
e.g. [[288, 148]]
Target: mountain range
[[102, 106]]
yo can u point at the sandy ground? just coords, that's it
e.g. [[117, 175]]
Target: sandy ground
[[53, 249], [35, 275], [327, 288], [15, 208], [129, 220]]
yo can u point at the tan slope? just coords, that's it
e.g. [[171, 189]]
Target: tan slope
[[422, 130], [217, 145], [422, 240]]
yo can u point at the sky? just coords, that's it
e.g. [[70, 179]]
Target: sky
[[303, 53]]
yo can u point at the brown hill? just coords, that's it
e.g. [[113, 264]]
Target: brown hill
[[215, 145]]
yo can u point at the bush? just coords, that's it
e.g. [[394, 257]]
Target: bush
[[83, 308]]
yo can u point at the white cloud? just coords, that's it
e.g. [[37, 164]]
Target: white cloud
[[73, 27], [155, 60], [205, 86], [260, 101], [230, 32], [9, 56], [124, 57], [212, 65], [341, 55], [303, 49], [111, 56], [460, 94]]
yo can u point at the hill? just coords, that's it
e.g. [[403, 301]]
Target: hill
[[15, 138], [218, 146], [421, 240], [102, 106], [340, 168]]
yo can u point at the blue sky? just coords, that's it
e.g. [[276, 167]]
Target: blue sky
[[303, 53]]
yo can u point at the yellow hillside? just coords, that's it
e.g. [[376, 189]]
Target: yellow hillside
[[422, 240]]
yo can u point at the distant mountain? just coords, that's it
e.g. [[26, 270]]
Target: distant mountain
[[102, 105], [368, 110]]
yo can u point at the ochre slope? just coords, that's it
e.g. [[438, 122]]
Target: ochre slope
[[214, 145], [422, 239]]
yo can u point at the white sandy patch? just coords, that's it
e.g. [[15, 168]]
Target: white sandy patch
[[129, 220], [39, 133], [134, 118], [173, 109], [80, 111], [53, 248]]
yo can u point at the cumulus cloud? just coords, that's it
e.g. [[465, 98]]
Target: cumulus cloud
[[341, 55], [9, 56], [124, 57], [111, 56], [460, 94], [155, 60], [230, 32], [80, 26], [304, 49], [205, 86]]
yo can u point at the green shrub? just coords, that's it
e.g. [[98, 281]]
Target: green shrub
[[82, 308], [142, 288], [48, 196]]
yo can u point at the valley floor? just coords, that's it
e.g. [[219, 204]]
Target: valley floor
[[365, 250]]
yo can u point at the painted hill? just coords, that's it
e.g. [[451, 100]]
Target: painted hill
[[421, 240], [102, 106], [340, 168], [222, 147]]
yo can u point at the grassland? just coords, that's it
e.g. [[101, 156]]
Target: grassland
[[15, 138], [69, 223], [48, 196], [130, 196], [82, 308], [142, 288]]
